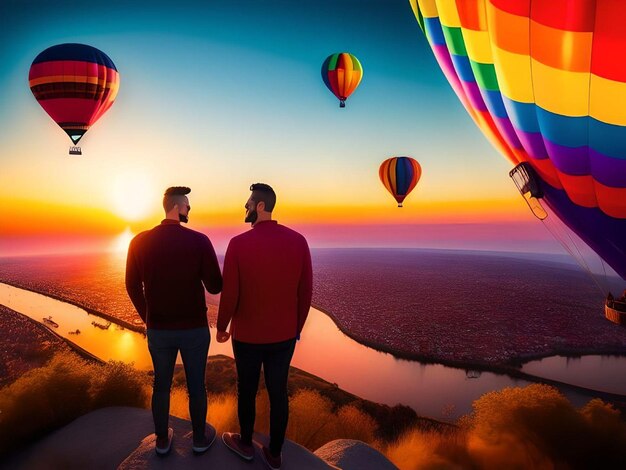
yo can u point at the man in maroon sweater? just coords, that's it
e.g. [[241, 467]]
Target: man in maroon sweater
[[266, 299], [167, 270]]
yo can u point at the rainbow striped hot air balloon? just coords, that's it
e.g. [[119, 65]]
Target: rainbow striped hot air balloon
[[75, 84], [400, 175], [545, 81], [342, 73]]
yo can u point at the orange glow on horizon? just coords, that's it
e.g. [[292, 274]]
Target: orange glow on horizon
[[36, 217]]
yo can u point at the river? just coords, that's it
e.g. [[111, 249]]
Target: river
[[433, 390]]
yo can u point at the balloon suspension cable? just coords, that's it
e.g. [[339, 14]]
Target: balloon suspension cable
[[561, 233], [528, 184]]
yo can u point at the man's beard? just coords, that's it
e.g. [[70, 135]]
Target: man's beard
[[183, 218], [251, 217]]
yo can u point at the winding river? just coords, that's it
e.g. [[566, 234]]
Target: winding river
[[432, 390]]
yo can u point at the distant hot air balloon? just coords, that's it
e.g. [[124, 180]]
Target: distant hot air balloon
[[545, 81], [400, 175], [75, 84], [342, 73]]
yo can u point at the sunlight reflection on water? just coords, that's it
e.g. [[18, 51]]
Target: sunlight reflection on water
[[432, 390]]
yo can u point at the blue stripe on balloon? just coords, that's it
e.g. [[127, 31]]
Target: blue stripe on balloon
[[568, 131], [404, 174], [434, 32], [325, 73], [77, 52], [563, 130], [607, 139], [495, 105], [463, 67], [522, 115]]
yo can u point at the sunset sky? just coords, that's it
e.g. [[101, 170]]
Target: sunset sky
[[216, 95]]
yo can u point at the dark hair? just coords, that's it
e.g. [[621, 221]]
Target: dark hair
[[174, 195], [177, 191], [262, 192]]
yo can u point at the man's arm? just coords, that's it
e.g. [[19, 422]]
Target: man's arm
[[134, 284], [211, 275], [230, 289], [305, 288]]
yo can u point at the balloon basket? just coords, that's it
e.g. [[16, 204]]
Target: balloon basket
[[75, 151], [342, 104], [400, 205]]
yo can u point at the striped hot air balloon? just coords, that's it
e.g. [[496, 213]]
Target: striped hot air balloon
[[75, 84], [545, 81], [400, 175], [342, 73]]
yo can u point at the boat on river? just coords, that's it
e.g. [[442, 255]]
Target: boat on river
[[102, 326], [50, 322]]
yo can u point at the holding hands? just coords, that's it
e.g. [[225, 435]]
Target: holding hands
[[222, 336]]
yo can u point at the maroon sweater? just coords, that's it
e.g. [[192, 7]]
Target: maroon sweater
[[267, 284], [165, 272]]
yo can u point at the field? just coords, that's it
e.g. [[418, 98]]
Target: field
[[441, 306]]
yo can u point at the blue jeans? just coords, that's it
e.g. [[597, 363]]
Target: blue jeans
[[194, 348]]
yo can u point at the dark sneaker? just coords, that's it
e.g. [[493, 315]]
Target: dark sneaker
[[202, 445], [233, 442], [272, 462], [164, 444]]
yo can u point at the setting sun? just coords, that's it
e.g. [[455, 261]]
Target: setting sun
[[121, 242], [132, 196]]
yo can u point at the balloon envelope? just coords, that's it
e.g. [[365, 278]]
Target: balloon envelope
[[546, 84], [75, 84], [400, 175], [342, 73]]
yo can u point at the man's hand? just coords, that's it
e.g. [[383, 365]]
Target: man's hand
[[222, 336]]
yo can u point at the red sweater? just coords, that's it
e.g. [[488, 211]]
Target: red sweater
[[165, 272], [267, 284]]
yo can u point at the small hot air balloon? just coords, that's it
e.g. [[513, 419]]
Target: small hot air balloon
[[342, 73], [400, 175], [75, 84]]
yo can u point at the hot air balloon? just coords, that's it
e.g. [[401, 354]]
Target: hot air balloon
[[546, 84], [400, 175], [342, 73], [75, 84]]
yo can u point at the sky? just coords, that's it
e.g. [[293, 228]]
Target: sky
[[216, 95]]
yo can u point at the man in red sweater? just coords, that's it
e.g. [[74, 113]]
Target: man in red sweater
[[167, 270], [266, 299]]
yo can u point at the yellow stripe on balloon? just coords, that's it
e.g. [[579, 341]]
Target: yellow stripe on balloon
[[448, 14], [560, 91], [427, 7], [514, 75], [608, 100], [478, 45]]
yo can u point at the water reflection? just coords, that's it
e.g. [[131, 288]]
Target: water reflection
[[432, 390], [604, 373]]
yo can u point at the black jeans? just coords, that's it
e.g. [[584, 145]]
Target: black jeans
[[275, 358], [194, 347]]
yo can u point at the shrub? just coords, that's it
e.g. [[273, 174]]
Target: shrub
[[59, 392], [530, 427]]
